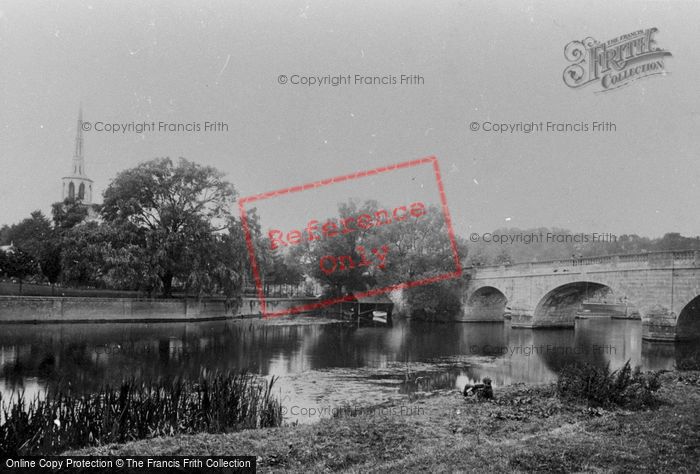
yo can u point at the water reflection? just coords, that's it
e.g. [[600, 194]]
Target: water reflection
[[319, 363]]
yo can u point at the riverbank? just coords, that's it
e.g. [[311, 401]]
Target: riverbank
[[304, 319], [526, 428], [45, 309]]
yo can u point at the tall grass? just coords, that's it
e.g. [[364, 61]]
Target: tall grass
[[63, 419], [600, 387]]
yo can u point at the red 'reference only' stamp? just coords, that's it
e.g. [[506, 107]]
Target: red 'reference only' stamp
[[373, 236]]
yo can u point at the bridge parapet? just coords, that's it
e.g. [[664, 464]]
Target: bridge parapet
[[640, 261], [688, 255]]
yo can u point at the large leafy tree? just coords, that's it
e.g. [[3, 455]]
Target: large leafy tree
[[30, 233], [172, 213], [18, 264], [415, 249], [421, 249], [310, 254], [35, 237], [125, 262], [82, 259]]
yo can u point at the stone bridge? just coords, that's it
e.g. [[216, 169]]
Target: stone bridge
[[662, 287]]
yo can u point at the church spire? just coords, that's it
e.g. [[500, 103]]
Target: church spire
[[78, 158], [79, 136], [77, 185]]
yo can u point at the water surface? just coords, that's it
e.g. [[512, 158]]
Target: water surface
[[321, 367]]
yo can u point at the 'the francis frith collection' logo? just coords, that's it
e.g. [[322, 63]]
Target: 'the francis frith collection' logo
[[614, 63]]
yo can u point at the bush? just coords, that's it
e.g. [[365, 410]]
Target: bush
[[436, 301], [688, 361], [136, 410], [600, 387]]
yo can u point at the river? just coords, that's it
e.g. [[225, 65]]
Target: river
[[321, 367]]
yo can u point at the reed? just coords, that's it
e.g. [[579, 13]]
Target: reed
[[62, 419]]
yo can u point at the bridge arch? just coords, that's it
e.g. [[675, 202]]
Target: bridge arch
[[558, 307], [657, 286], [688, 324], [488, 303]]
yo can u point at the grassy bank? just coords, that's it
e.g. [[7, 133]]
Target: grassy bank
[[524, 429]]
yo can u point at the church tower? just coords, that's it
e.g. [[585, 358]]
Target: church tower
[[77, 185]]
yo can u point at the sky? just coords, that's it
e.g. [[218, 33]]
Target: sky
[[194, 61]]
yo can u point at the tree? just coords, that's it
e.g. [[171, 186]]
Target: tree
[[503, 258], [281, 269], [421, 249], [30, 233], [675, 241], [35, 237], [4, 263], [82, 257], [172, 212], [348, 280], [436, 299], [50, 258], [237, 246], [19, 264], [414, 249], [68, 214], [125, 263], [4, 234]]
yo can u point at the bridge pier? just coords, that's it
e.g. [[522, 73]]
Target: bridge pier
[[659, 325], [659, 332]]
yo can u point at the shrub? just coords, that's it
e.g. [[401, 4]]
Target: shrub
[[600, 387], [689, 361]]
